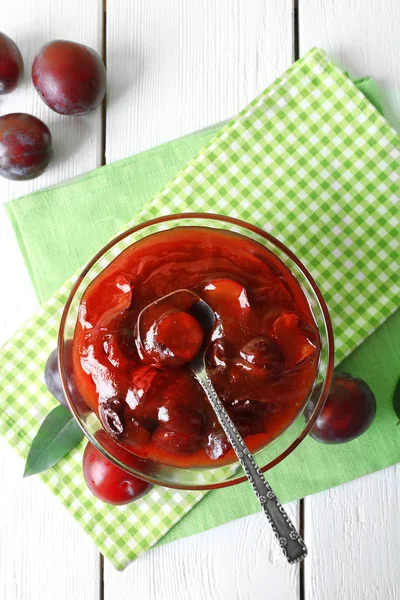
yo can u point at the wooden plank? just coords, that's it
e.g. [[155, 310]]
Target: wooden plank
[[352, 531], [175, 67], [76, 140], [43, 552], [353, 538], [236, 561]]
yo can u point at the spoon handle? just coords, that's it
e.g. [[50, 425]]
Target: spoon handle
[[291, 543]]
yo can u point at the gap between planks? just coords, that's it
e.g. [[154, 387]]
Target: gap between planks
[[100, 576], [296, 56]]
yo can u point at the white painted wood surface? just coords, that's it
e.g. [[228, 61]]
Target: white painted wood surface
[[353, 536], [43, 553], [239, 560], [174, 67], [353, 531]]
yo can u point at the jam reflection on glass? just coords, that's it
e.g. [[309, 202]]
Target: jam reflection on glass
[[262, 354]]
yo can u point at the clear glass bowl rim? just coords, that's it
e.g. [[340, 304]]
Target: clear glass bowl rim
[[272, 240]]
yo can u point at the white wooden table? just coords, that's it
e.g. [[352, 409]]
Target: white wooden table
[[175, 66]]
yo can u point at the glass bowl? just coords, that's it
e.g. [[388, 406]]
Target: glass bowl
[[198, 478]]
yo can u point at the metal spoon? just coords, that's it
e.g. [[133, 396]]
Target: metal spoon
[[290, 541]]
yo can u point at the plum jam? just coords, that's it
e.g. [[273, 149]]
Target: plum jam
[[262, 353]]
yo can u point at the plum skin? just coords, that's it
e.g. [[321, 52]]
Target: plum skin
[[25, 146], [69, 77], [52, 379], [347, 413], [108, 482], [11, 64]]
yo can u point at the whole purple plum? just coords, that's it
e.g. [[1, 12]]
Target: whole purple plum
[[70, 77], [25, 146]]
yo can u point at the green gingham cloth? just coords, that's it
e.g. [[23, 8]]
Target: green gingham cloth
[[309, 160]]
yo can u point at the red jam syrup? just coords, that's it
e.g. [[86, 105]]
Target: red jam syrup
[[262, 353]]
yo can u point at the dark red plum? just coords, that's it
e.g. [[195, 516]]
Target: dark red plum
[[70, 77], [52, 378], [25, 146], [11, 64], [108, 482], [349, 410]]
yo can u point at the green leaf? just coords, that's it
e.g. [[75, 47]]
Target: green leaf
[[57, 435], [396, 399]]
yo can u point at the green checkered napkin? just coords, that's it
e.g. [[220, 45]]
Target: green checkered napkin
[[309, 160]]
